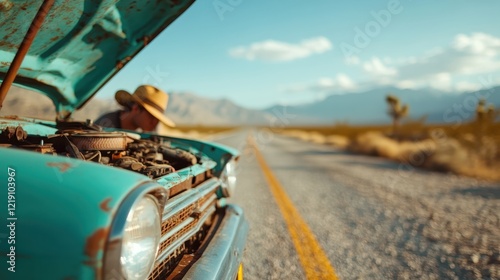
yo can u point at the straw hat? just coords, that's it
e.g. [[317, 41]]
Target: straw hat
[[150, 98]]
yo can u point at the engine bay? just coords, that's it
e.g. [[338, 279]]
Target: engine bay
[[153, 157]]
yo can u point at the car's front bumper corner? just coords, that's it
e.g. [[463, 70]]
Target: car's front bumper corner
[[223, 256]]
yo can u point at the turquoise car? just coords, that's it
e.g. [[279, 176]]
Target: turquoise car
[[82, 202]]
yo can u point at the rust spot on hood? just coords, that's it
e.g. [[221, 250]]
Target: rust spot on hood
[[93, 245], [62, 166], [96, 242], [5, 5], [105, 205], [122, 63]]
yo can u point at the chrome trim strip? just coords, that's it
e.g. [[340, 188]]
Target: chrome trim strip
[[164, 255], [207, 204], [187, 221], [222, 257], [178, 203], [176, 229]]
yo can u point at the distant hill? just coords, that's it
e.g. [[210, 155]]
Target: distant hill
[[27, 103], [188, 108], [371, 107], [183, 108], [354, 108]]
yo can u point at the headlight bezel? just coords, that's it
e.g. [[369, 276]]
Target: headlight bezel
[[136, 218], [112, 265], [228, 178]]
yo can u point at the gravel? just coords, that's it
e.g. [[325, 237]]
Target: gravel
[[375, 219]]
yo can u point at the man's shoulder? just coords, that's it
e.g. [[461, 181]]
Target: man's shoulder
[[111, 119]]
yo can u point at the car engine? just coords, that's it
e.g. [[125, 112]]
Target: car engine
[[152, 157]]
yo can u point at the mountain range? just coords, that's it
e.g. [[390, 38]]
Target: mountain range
[[370, 107], [367, 107]]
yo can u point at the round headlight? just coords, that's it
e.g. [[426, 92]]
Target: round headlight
[[140, 239], [228, 179]]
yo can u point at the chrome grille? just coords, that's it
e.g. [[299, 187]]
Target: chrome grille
[[159, 272], [183, 217], [173, 221]]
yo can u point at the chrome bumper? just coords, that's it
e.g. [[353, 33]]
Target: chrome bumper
[[223, 255]]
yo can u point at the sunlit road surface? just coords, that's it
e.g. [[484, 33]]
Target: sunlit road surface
[[319, 213]]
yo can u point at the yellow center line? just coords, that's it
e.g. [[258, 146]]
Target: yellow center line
[[313, 259]]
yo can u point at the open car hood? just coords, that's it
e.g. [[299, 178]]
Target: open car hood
[[81, 44]]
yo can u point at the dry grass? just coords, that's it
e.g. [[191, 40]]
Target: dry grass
[[337, 141], [199, 132], [205, 129], [467, 149]]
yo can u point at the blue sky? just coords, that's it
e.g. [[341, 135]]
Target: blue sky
[[259, 53]]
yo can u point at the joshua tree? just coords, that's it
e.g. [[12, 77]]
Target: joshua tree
[[481, 111], [485, 114], [485, 117], [396, 111]]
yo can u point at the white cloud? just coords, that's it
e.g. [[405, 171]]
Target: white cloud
[[468, 63], [352, 60], [325, 83], [407, 84], [294, 88], [271, 50], [339, 84], [440, 68], [387, 60], [344, 82], [377, 68], [478, 43], [441, 81], [467, 55], [464, 86]]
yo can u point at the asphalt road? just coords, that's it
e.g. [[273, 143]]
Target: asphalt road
[[370, 218]]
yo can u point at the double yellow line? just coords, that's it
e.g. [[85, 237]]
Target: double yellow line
[[314, 261]]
